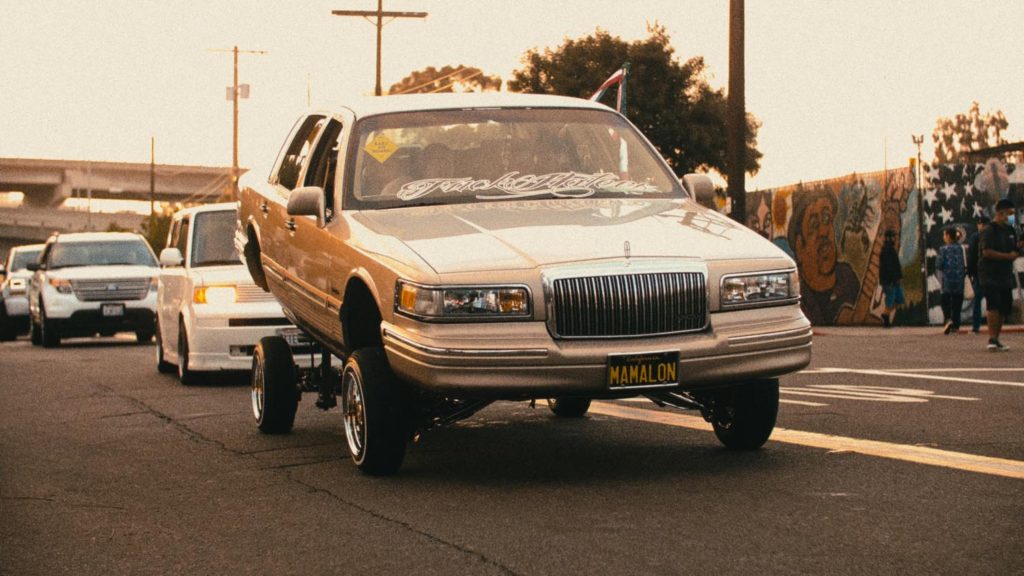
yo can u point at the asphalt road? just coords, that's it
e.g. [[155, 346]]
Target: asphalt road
[[899, 451]]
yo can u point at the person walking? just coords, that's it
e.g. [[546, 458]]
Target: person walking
[[972, 273], [950, 262], [998, 248], [890, 273]]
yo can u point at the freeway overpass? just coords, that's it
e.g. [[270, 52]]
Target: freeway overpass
[[49, 182]]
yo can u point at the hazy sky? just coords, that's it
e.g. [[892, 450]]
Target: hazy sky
[[839, 85]]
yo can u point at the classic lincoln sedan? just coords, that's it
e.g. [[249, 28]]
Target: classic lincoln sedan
[[457, 250]]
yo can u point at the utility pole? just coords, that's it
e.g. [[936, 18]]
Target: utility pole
[[234, 93], [152, 180], [918, 173], [736, 114], [379, 14]]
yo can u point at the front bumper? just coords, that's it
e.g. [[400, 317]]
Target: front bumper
[[224, 338], [520, 359], [92, 322]]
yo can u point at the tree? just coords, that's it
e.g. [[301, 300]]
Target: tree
[[964, 133], [670, 102], [447, 79]]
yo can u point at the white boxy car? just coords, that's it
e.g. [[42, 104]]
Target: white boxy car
[[14, 290], [210, 313]]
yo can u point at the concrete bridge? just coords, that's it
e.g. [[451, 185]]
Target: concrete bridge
[[28, 225], [49, 182]]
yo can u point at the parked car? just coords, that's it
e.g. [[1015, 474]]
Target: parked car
[[15, 276], [210, 314], [91, 283], [461, 249]]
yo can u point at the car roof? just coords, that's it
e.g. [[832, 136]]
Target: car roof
[[96, 236], [372, 105], [27, 247], [220, 206]]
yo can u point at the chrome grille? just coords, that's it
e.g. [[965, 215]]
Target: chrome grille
[[102, 290], [629, 305], [253, 293]]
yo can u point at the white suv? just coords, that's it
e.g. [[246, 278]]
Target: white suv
[[14, 290], [92, 283], [210, 313]]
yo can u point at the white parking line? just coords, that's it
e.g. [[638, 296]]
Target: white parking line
[[907, 453], [781, 401], [898, 374]]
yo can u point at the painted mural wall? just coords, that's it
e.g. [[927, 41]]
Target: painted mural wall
[[834, 230], [954, 195]]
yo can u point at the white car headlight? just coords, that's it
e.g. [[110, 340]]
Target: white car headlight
[[215, 295], [61, 285], [760, 289], [462, 302]]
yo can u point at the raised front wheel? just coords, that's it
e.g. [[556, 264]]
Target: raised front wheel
[[376, 421]]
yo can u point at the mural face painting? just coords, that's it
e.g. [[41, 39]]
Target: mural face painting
[[834, 230]]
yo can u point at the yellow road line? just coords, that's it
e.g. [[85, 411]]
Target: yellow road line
[[919, 454]]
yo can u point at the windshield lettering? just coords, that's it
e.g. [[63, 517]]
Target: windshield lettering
[[516, 185]]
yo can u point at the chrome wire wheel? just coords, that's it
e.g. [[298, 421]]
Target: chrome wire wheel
[[355, 414], [259, 393]]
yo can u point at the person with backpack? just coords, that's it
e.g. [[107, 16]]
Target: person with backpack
[[972, 273]]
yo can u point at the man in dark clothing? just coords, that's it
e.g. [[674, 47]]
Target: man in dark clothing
[[890, 273], [998, 248], [972, 273]]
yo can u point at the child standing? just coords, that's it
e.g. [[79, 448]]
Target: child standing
[[951, 263]]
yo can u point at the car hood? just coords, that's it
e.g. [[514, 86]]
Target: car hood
[[530, 234], [103, 272], [221, 275]]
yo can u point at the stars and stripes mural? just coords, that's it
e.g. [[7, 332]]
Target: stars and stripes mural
[[954, 196]]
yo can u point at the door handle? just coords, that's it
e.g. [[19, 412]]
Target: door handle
[[264, 208], [290, 224]]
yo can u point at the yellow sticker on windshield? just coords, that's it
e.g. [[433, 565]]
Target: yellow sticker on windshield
[[380, 147]]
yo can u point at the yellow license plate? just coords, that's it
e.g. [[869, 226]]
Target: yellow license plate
[[647, 369]]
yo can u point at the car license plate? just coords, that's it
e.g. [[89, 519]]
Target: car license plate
[[112, 310], [647, 369]]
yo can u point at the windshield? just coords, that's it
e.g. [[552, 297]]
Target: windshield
[[101, 253], [23, 258], [213, 239], [486, 155]]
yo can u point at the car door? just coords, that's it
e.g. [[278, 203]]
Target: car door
[[311, 238], [174, 287], [285, 265]]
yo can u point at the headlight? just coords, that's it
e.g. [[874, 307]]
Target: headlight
[[462, 302], [61, 285], [755, 289], [214, 295], [154, 283]]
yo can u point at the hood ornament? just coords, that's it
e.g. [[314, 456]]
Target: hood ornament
[[626, 249]]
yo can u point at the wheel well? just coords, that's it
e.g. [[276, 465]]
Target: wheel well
[[360, 317], [252, 259]]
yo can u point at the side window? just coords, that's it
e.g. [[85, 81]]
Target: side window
[[323, 165], [172, 234], [297, 152], [181, 242]]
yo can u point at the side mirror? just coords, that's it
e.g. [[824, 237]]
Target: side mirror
[[701, 188], [171, 257], [33, 266], [307, 201]]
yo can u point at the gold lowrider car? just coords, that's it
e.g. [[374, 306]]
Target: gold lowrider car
[[455, 250]]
